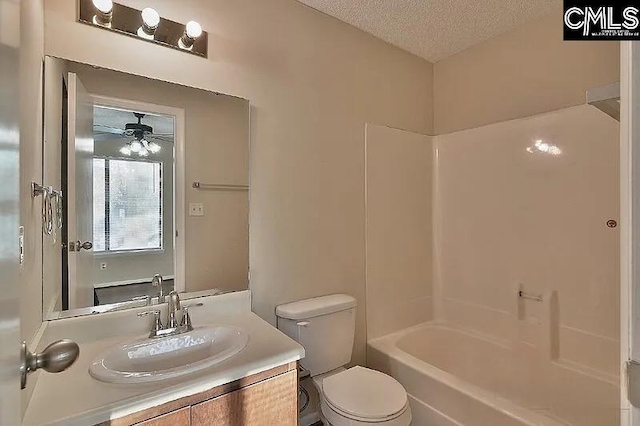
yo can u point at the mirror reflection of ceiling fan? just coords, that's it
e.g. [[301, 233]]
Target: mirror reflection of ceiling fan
[[144, 139]]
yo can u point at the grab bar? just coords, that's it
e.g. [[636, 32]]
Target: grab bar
[[529, 296]]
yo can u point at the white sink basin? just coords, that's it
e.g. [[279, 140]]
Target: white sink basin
[[149, 360]]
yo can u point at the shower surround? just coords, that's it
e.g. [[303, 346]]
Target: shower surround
[[525, 205]]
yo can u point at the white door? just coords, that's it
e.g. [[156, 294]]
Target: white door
[[80, 194], [9, 215]]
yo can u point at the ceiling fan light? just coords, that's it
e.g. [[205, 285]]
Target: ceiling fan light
[[125, 150], [154, 148], [143, 152], [135, 146]]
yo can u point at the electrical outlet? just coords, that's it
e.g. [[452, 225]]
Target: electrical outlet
[[103, 265], [196, 209]]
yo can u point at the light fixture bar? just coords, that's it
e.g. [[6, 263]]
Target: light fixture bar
[[145, 25]]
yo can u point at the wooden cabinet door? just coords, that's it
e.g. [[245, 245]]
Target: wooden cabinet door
[[267, 403], [176, 418]]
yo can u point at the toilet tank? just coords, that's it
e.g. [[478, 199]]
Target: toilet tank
[[325, 326]]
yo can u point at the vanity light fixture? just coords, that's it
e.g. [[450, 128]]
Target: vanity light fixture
[[103, 12], [192, 31], [145, 25], [150, 22]]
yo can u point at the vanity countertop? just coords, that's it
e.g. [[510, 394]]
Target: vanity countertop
[[75, 398]]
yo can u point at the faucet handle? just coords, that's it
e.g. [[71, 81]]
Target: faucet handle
[[186, 318], [157, 322]]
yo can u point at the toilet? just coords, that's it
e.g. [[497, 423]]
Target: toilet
[[358, 396]]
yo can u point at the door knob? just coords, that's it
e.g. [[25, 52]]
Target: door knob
[[79, 245], [55, 358]]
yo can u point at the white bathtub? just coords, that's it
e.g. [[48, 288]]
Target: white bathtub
[[459, 377]]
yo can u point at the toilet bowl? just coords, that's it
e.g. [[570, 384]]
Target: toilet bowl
[[360, 397]]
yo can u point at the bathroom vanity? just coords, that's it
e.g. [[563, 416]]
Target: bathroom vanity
[[256, 386], [267, 398]]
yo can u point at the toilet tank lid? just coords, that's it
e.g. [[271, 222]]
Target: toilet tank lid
[[315, 307]]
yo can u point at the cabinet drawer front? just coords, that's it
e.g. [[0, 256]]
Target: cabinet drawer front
[[177, 418], [268, 403]]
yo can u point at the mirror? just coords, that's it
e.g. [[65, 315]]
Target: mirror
[[142, 179]]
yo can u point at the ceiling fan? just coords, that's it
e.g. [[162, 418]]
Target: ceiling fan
[[143, 142]]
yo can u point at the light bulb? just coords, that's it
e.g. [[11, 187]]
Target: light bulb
[[104, 6], [150, 22], [150, 18], [105, 13], [193, 29], [545, 148], [125, 150], [154, 148], [143, 152], [136, 146], [554, 150]]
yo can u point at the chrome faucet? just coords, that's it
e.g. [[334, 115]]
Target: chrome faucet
[[157, 282], [172, 328], [173, 306]]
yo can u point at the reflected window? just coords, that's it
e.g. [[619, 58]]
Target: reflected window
[[127, 205]]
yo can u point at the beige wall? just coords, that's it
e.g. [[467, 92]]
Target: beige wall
[[217, 151], [507, 216], [399, 166], [526, 71], [313, 82]]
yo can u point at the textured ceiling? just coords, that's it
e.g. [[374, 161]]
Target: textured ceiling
[[434, 29]]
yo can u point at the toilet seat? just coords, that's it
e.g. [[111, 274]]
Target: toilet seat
[[340, 418], [364, 395]]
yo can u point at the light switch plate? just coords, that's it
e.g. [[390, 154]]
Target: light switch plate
[[21, 242], [196, 209]]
